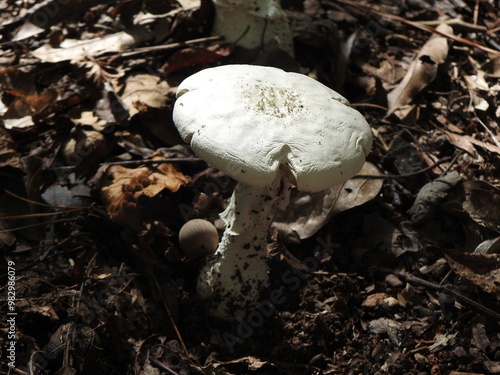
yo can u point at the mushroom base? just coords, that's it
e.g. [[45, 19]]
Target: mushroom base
[[233, 281]]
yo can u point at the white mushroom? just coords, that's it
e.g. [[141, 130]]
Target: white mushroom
[[267, 129], [253, 23]]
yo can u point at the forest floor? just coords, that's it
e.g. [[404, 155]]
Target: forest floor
[[395, 272]]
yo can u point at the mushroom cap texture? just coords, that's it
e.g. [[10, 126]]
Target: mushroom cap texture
[[253, 121]]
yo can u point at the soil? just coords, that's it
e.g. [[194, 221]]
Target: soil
[[399, 270]]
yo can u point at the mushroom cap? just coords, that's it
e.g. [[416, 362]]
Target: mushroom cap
[[253, 121]]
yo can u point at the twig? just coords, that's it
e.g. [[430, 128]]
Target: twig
[[490, 133], [153, 161], [420, 26], [44, 258], [40, 203], [456, 22], [165, 47], [157, 363], [14, 370], [41, 214], [447, 288], [453, 161], [396, 176], [136, 163], [169, 313], [37, 225], [370, 105]]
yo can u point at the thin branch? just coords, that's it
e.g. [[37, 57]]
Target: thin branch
[[449, 289], [396, 176], [452, 162], [44, 214], [153, 161], [163, 366], [370, 105], [76, 208], [420, 26], [457, 22], [38, 225], [165, 47]]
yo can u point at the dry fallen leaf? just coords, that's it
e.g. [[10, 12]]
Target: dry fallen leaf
[[147, 89], [309, 212], [492, 68], [254, 365], [82, 117], [127, 185], [98, 73], [385, 325], [388, 72], [192, 56], [476, 83], [379, 299], [422, 71], [37, 19], [76, 50], [482, 203], [389, 239], [441, 340], [488, 246], [483, 270], [18, 80], [66, 196], [85, 148], [23, 107], [460, 141], [8, 153], [430, 196], [109, 107], [84, 340]]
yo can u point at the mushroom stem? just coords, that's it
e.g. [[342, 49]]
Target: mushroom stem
[[234, 280], [252, 24]]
